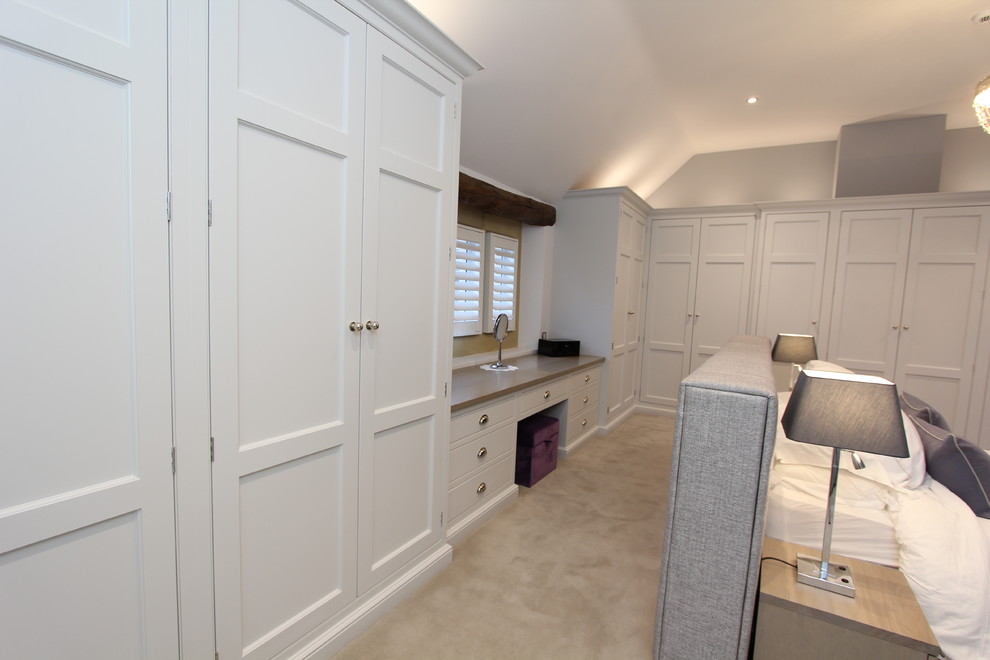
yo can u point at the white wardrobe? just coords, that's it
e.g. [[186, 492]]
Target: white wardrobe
[[227, 351], [599, 247], [698, 293]]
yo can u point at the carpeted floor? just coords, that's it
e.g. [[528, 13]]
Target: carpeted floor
[[568, 570]]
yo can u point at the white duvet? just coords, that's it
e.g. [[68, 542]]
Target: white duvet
[[945, 555]]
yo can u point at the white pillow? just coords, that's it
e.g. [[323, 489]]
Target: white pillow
[[906, 473], [822, 365]]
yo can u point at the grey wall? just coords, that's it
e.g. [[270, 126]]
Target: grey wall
[[804, 172]]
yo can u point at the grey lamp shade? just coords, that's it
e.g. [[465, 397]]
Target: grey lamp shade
[[796, 349], [848, 411]]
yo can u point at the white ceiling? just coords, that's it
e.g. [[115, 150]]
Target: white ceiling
[[592, 93]]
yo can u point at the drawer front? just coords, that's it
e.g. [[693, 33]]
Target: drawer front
[[481, 418], [543, 396], [584, 399], [483, 486], [578, 425], [484, 449], [586, 378]]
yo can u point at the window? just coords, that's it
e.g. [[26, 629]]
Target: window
[[502, 260], [468, 281]]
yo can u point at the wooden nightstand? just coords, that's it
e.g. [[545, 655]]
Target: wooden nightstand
[[883, 621]]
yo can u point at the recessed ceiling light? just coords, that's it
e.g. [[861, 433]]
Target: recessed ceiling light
[[982, 17], [752, 99]]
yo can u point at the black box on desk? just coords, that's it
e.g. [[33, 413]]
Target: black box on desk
[[559, 347]]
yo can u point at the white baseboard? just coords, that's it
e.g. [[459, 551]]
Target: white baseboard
[[461, 529], [325, 644]]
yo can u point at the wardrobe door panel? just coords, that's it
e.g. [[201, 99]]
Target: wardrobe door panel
[[725, 266], [87, 529], [405, 302], [943, 297], [670, 295], [286, 168], [868, 293]]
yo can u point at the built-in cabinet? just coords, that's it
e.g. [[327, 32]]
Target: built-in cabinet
[[907, 300], [599, 249], [482, 461], [332, 200], [890, 286], [232, 417], [698, 297]]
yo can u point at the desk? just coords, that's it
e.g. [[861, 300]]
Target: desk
[[485, 407], [883, 621]]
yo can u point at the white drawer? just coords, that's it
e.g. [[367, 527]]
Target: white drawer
[[543, 396], [583, 400], [578, 425], [487, 483], [585, 378], [486, 448], [483, 417]]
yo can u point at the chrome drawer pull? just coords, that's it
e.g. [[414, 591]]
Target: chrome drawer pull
[[482, 487], [585, 400], [483, 452], [546, 395], [587, 377], [584, 422], [483, 420]]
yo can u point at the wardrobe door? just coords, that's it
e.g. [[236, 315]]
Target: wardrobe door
[[792, 274], [669, 309], [286, 164], [725, 271], [943, 297], [410, 200], [87, 536], [869, 286]]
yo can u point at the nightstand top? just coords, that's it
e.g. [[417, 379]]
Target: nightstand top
[[884, 605]]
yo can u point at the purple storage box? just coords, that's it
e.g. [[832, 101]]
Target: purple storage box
[[537, 438]]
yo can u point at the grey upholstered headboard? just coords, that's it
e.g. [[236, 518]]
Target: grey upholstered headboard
[[723, 443]]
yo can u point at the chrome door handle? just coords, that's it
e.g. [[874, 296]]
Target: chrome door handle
[[356, 326], [372, 325]]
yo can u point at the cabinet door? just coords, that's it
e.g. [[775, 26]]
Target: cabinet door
[[87, 530], [725, 267], [792, 274], [625, 311], [286, 167], [943, 297], [869, 284], [409, 206], [669, 308]]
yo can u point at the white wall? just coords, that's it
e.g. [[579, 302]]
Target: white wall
[[804, 172]]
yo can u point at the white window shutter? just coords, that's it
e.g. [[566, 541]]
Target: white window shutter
[[502, 253], [468, 281]]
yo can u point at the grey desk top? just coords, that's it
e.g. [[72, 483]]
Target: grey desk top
[[474, 385]]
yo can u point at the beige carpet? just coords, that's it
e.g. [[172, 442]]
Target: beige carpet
[[569, 570]]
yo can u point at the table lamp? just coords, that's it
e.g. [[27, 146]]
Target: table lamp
[[842, 411], [796, 349]]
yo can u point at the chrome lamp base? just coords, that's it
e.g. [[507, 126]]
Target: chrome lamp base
[[838, 579]]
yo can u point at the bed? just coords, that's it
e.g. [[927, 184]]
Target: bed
[[935, 529]]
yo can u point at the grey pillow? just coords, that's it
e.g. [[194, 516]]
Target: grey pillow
[[917, 409], [957, 464]]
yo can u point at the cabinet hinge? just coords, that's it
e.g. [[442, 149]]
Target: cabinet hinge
[[455, 110], [209, 213], [441, 518], [211, 449], [173, 460], [445, 390], [168, 206]]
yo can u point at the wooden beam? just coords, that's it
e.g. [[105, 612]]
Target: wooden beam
[[491, 199]]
